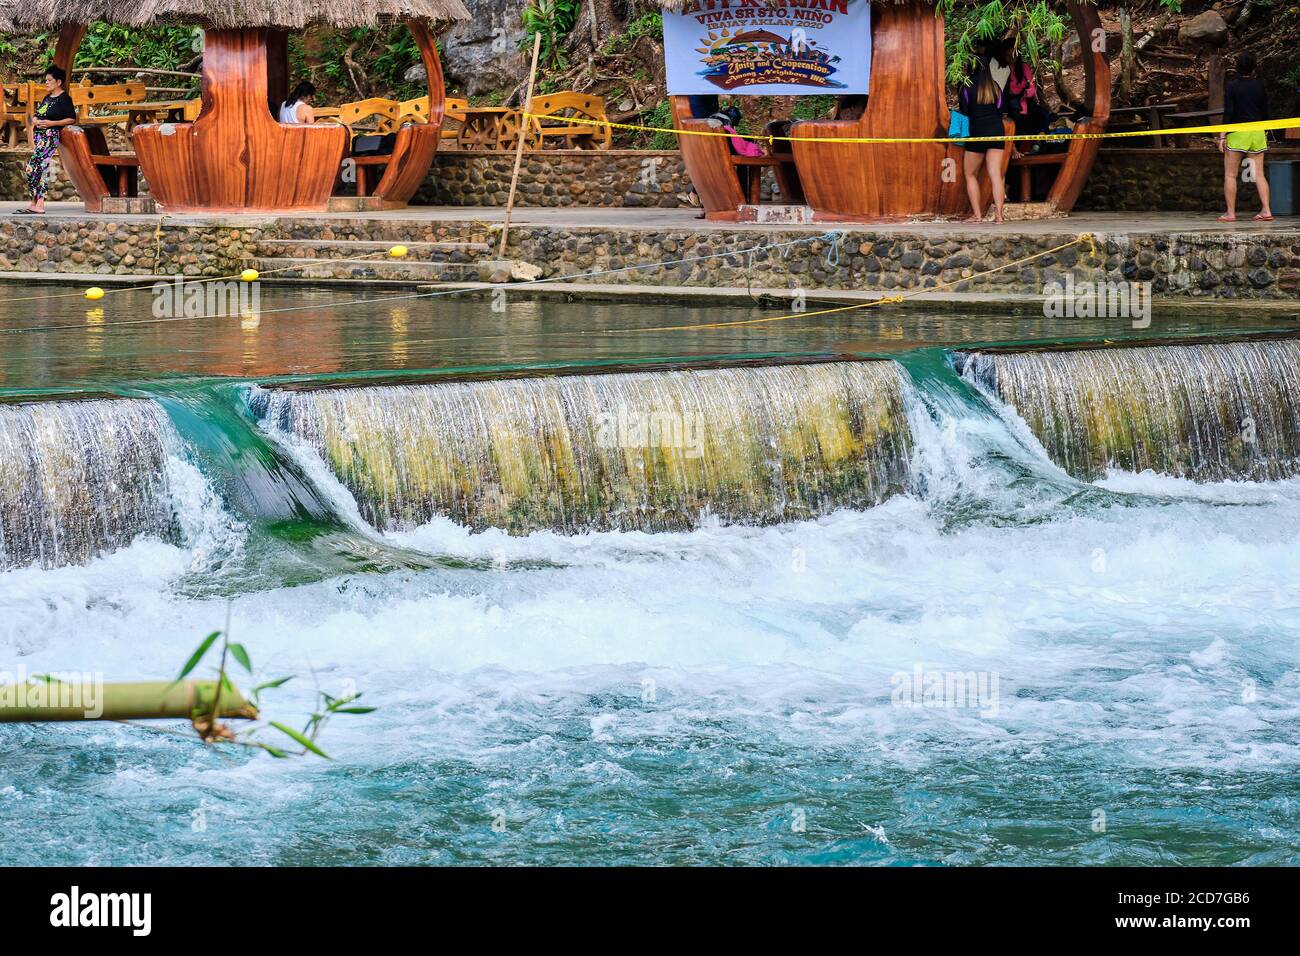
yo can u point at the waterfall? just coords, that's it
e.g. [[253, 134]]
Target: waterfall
[[1208, 412], [647, 450], [78, 478]]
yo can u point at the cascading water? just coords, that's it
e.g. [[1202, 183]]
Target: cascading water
[[78, 478], [680, 697], [1207, 412], [652, 451]]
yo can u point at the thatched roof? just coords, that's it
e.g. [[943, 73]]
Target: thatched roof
[[290, 14], [680, 4]]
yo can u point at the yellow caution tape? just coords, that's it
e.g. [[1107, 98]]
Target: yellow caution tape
[[1290, 123]]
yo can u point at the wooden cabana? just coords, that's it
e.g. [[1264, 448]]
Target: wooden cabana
[[908, 98], [236, 156]]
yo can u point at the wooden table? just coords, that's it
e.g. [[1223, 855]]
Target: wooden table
[[489, 127], [1152, 113], [1196, 115], [161, 112]]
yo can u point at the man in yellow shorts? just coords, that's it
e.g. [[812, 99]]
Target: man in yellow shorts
[[1244, 101]]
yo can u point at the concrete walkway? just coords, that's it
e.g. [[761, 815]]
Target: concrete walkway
[[683, 220]]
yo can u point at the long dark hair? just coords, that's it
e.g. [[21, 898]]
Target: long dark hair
[[300, 92], [986, 87]]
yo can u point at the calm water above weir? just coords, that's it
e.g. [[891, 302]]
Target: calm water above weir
[[749, 682]]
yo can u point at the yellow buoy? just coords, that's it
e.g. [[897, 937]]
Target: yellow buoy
[[397, 252], [249, 275], [94, 293]]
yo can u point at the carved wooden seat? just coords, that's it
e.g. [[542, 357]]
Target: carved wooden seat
[[908, 99], [94, 171], [893, 180], [415, 144], [235, 156]]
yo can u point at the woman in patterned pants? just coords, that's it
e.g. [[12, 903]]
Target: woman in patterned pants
[[51, 115]]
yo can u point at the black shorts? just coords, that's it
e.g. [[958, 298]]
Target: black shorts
[[983, 127]]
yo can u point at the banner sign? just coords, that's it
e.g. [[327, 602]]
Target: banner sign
[[768, 47]]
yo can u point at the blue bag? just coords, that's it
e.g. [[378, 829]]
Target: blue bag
[[958, 125]]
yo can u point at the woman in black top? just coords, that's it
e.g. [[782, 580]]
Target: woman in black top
[[982, 103], [1244, 101], [51, 115]]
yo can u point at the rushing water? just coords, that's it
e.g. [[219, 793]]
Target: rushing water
[[654, 451], [1210, 412], [740, 692], [79, 478]]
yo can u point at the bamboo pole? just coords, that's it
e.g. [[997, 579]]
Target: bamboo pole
[[519, 146], [39, 701]]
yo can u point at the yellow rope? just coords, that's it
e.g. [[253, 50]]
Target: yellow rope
[[1290, 123], [1086, 237]]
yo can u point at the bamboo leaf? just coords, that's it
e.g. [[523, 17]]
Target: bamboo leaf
[[271, 684], [356, 710], [300, 738], [241, 654], [197, 656]]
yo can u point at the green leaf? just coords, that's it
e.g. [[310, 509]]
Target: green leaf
[[356, 710], [197, 656], [300, 738], [271, 684], [240, 654]]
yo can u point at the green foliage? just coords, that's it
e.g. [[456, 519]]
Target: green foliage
[[812, 107], [551, 20], [158, 48], [660, 117], [326, 705], [1032, 29], [646, 25], [397, 54]]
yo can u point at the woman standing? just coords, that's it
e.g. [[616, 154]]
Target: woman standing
[[1244, 102], [50, 116], [982, 103]]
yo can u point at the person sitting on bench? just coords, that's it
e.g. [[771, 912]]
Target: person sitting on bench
[[727, 120], [296, 110]]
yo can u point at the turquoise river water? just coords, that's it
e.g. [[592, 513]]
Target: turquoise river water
[[639, 655]]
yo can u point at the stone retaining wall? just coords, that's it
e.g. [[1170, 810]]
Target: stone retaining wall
[[1216, 265], [1170, 180]]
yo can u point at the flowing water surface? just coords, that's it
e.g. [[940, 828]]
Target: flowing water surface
[[707, 643]]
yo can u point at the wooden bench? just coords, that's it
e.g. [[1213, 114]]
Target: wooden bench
[[408, 111], [752, 166], [453, 117], [1134, 114], [556, 107], [1026, 166], [385, 113], [95, 172]]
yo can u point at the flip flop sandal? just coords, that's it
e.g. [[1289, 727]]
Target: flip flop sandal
[[28, 212]]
